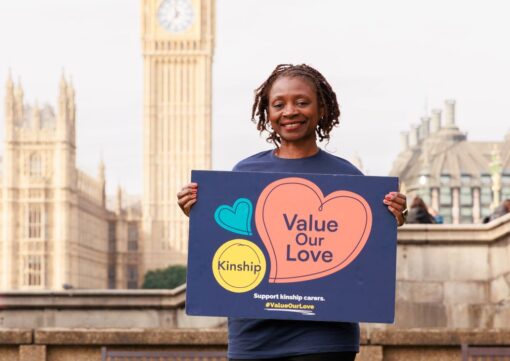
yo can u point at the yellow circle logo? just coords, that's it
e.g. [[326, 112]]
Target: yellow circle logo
[[239, 265]]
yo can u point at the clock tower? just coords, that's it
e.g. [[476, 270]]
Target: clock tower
[[177, 43]]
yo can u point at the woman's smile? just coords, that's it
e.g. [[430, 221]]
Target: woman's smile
[[293, 125]]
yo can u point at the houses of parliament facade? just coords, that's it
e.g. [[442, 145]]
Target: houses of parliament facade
[[57, 230]]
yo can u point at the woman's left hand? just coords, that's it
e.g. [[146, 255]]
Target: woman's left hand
[[397, 205]]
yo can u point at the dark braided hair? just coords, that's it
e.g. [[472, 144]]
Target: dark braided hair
[[325, 96]]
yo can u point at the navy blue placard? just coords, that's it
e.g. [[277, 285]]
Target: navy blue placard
[[292, 246]]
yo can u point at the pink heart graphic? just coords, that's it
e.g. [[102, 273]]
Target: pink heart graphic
[[307, 235]]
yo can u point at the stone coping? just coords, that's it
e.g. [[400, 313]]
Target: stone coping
[[57, 336], [99, 292], [218, 337], [15, 336], [94, 299], [440, 337]]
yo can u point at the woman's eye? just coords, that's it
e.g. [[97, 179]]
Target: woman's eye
[[302, 103], [277, 105]]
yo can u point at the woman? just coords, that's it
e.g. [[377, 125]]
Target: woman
[[297, 106], [419, 212]]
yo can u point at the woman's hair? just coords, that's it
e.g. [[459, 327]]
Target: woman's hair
[[418, 203], [326, 97]]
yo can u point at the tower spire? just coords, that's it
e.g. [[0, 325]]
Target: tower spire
[[118, 202], [36, 116], [101, 170], [63, 111], [9, 94], [10, 108], [63, 91], [9, 84], [102, 178], [18, 100]]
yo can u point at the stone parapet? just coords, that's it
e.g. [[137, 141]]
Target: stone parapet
[[439, 337], [455, 234], [454, 276], [376, 345], [121, 309], [132, 337], [15, 336], [96, 299]]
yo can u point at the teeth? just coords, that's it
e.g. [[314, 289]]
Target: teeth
[[292, 125]]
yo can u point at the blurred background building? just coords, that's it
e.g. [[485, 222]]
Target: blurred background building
[[59, 230], [56, 230], [462, 180]]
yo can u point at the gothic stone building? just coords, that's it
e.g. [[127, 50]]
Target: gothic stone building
[[55, 229], [460, 179]]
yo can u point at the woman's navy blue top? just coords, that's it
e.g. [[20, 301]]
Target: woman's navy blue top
[[250, 338]]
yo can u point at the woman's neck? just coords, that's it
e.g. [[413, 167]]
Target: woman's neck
[[294, 151]]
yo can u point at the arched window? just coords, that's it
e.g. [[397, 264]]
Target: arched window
[[35, 221], [32, 270]]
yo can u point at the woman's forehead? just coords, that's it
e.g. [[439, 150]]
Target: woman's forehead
[[292, 84]]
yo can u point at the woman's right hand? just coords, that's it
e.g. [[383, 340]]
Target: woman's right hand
[[187, 197]]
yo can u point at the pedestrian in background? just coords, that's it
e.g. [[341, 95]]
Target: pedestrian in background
[[500, 211], [419, 213]]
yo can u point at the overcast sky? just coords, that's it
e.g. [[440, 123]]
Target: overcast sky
[[388, 61]]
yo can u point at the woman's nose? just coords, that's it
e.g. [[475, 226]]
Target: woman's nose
[[289, 110]]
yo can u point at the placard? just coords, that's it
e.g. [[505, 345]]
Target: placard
[[292, 246]]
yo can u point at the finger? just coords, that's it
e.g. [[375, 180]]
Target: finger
[[186, 191], [188, 205], [396, 197], [193, 186], [397, 206], [185, 199], [401, 199], [397, 214], [394, 211]]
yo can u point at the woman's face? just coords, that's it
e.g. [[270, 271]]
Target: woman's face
[[294, 110]]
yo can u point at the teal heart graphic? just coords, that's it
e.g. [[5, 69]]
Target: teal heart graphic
[[237, 218]]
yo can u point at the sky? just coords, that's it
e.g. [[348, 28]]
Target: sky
[[390, 62]]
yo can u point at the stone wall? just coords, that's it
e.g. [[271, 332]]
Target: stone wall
[[159, 309], [454, 276], [85, 344]]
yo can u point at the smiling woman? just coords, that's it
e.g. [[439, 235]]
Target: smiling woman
[[297, 106], [298, 103]]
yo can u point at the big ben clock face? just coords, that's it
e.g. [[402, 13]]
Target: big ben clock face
[[175, 15]]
